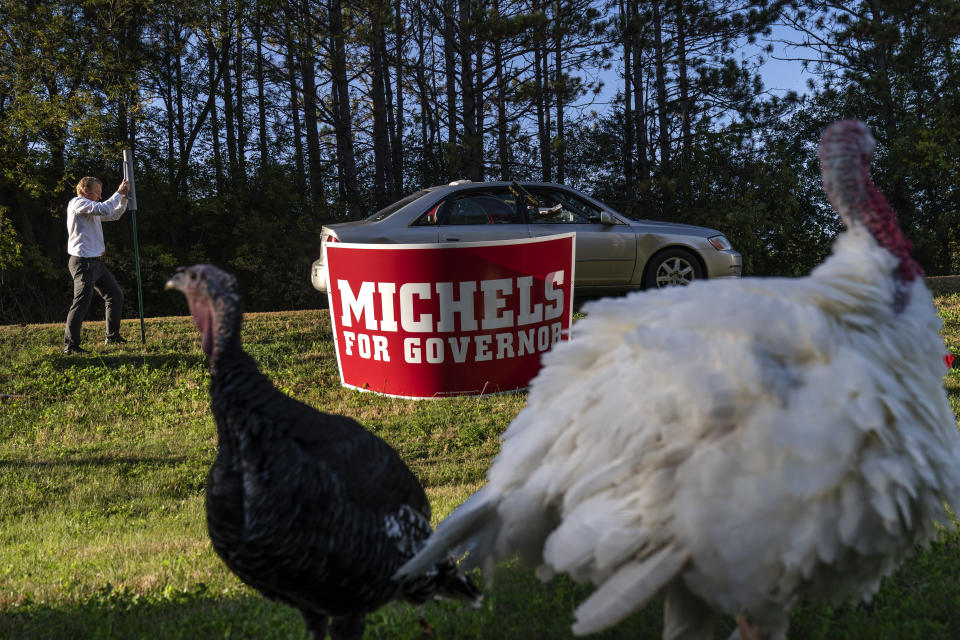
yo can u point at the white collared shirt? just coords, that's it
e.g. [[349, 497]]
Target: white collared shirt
[[85, 235]]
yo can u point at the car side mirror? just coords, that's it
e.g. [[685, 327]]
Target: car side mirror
[[607, 218]]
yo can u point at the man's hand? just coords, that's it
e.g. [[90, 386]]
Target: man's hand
[[124, 188]]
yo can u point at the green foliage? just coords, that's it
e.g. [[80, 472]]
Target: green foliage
[[25, 288], [767, 199], [10, 245], [893, 65]]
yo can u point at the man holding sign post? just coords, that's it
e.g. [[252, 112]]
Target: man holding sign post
[[86, 248]]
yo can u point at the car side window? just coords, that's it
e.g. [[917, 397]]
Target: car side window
[[482, 208], [469, 210], [559, 207]]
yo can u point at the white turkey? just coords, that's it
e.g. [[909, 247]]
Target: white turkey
[[307, 507], [736, 445]]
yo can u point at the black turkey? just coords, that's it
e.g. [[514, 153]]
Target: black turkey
[[309, 508]]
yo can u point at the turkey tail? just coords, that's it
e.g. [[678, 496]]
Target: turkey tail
[[472, 530], [628, 590]]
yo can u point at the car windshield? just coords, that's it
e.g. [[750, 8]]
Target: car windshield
[[396, 206]]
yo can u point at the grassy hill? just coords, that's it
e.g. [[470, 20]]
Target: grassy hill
[[102, 467]]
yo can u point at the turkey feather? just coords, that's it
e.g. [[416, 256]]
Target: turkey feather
[[628, 590], [470, 531]]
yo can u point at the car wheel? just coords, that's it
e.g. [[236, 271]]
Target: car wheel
[[672, 268]]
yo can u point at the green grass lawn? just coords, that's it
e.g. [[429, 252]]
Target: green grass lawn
[[103, 461]]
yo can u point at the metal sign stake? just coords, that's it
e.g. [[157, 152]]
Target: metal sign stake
[[132, 206]]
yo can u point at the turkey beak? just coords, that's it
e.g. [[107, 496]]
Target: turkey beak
[[178, 281]]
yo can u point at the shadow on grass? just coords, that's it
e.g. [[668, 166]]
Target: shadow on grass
[[127, 462], [516, 606], [519, 607], [154, 361], [123, 614]]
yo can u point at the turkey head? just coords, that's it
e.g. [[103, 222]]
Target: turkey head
[[214, 300]]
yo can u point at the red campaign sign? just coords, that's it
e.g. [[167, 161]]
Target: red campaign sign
[[427, 320]]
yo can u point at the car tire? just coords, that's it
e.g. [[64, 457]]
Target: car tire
[[672, 268]]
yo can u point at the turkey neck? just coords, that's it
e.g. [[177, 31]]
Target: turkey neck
[[226, 342], [234, 376], [238, 392], [846, 151], [881, 222]]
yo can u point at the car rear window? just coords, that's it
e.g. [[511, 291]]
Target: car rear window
[[496, 206], [396, 206]]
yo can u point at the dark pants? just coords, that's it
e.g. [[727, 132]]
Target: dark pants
[[89, 275]]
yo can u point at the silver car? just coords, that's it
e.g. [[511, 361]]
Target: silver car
[[614, 254]]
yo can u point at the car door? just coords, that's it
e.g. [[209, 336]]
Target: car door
[[606, 253], [481, 215]]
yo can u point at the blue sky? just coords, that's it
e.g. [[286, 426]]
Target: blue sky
[[781, 75]]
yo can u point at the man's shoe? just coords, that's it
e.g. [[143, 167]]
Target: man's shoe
[[72, 348], [115, 340]]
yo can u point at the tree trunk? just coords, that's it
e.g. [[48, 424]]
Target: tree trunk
[[559, 89], [261, 92], [228, 110], [295, 111], [397, 150], [168, 101], [381, 147], [480, 111], [503, 150], [686, 130], [180, 187], [639, 123], [627, 98], [428, 125], [450, 68], [214, 119], [310, 117], [391, 123], [391, 127], [472, 165], [660, 71], [540, 95], [239, 114], [436, 125], [131, 43], [56, 136], [343, 116]]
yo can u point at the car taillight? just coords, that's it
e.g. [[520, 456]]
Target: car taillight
[[331, 239]]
